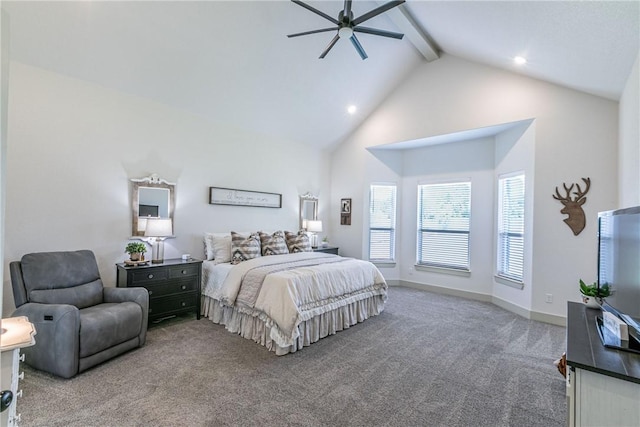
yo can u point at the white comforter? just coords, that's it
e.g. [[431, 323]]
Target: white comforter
[[293, 296]]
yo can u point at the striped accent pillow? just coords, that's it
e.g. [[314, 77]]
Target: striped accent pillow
[[244, 247], [298, 242], [273, 244]]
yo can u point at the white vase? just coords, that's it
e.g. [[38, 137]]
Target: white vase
[[591, 302]]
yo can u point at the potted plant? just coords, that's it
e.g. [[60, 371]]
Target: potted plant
[[136, 251], [325, 242], [592, 295]]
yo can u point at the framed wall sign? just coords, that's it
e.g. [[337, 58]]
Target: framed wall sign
[[230, 196]]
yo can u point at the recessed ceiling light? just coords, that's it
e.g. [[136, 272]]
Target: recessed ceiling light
[[520, 60], [351, 109]]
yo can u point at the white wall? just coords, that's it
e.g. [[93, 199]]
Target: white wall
[[73, 146], [481, 161], [515, 152], [575, 136], [468, 160], [629, 155]]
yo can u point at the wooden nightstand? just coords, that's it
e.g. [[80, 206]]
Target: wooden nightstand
[[327, 250], [174, 286]]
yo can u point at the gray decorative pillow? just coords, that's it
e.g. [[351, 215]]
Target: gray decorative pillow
[[298, 242], [244, 247], [273, 244]]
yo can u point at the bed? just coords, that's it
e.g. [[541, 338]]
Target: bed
[[290, 300]]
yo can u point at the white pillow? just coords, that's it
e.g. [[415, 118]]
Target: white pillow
[[218, 247], [207, 239]]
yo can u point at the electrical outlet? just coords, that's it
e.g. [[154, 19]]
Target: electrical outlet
[[548, 298]]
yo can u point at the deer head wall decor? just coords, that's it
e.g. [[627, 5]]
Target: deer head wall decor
[[573, 206]]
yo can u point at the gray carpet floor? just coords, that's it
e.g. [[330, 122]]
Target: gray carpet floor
[[427, 360]]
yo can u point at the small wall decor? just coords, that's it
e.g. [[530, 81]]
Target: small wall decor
[[573, 206], [345, 212], [230, 196]]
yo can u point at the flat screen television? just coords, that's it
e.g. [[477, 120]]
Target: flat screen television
[[148, 210], [619, 266]]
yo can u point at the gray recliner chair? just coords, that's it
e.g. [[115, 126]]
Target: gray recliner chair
[[79, 322]]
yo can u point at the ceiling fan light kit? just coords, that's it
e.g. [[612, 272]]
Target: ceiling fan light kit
[[345, 32], [347, 26]]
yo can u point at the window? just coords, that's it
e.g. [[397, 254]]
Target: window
[[444, 212], [511, 227], [382, 223]]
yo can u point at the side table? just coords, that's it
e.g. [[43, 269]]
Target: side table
[[173, 285], [327, 249], [17, 333]]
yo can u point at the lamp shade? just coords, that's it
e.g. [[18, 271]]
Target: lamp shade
[[158, 227], [314, 226]]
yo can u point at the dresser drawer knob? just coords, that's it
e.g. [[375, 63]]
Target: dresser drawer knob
[[184, 304], [150, 276], [183, 287], [151, 310], [150, 293]]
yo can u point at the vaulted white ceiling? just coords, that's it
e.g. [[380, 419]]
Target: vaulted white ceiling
[[231, 62]]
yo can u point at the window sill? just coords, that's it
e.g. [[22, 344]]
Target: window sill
[[443, 270], [384, 264], [508, 282]]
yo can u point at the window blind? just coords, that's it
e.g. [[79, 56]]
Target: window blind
[[382, 222], [511, 228], [444, 212], [605, 250]]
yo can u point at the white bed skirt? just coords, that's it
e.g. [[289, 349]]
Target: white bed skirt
[[310, 331]]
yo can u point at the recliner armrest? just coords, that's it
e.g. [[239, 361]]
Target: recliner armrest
[[138, 295], [57, 337], [17, 283]]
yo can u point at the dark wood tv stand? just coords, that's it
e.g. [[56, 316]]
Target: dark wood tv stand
[[603, 384]]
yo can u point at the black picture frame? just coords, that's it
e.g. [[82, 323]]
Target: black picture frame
[[345, 211]]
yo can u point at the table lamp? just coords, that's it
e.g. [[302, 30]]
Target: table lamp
[[158, 229], [314, 227]]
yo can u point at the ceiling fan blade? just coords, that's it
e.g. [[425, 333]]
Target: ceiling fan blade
[[312, 32], [377, 11], [377, 32], [316, 11], [347, 8], [331, 43], [358, 47]]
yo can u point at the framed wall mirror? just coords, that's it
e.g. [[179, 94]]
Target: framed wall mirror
[[308, 209], [152, 197]]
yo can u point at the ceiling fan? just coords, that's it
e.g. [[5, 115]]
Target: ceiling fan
[[347, 26]]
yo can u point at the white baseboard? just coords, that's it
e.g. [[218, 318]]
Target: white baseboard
[[528, 314], [441, 290], [509, 306], [554, 319]]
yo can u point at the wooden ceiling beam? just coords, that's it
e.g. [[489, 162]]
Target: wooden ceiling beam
[[413, 31]]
